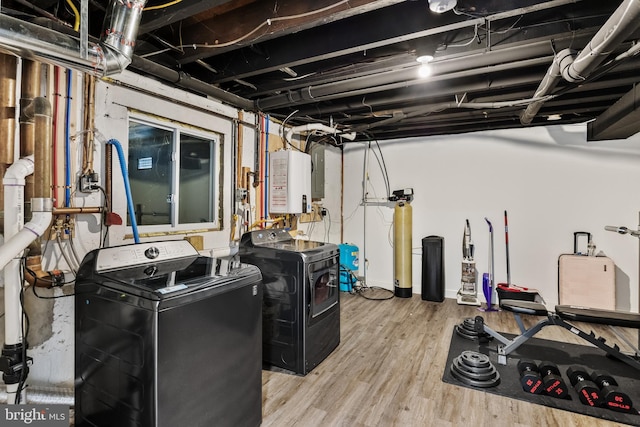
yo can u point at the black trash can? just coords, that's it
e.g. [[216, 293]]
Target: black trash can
[[433, 268]]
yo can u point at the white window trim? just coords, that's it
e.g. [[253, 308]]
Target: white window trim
[[178, 129]]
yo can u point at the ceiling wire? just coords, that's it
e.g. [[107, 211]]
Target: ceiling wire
[[161, 6], [268, 22], [73, 7]]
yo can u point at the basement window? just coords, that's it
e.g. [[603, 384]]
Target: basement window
[[173, 172]]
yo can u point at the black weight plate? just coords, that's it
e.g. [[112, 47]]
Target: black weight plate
[[465, 333], [472, 335], [472, 369], [473, 358], [475, 383], [469, 322], [480, 376], [466, 330]]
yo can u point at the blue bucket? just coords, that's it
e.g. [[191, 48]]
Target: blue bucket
[[348, 266]]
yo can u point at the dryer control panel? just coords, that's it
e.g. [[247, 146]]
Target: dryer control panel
[[143, 253], [270, 236]]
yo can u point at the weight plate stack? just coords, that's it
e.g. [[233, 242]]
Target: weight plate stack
[[475, 369], [467, 330]]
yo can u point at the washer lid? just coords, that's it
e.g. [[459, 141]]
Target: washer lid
[[168, 279], [278, 239]]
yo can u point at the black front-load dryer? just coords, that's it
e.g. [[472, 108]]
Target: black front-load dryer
[[301, 308]]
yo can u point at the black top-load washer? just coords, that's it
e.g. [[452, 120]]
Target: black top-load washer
[[301, 309], [166, 337]]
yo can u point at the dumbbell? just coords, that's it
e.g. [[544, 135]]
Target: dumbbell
[[588, 391], [529, 376], [613, 398], [552, 381]]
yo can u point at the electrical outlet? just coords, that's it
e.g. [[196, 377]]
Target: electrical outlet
[[313, 216], [89, 182]]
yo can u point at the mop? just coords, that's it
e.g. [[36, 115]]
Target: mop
[[508, 287], [488, 278]]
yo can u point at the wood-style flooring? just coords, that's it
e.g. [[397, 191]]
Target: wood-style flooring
[[388, 368]]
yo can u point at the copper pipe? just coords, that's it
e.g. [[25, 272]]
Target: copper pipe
[[8, 66], [42, 113], [39, 111], [75, 211], [29, 90], [7, 107], [37, 277], [89, 116], [240, 147], [108, 174]]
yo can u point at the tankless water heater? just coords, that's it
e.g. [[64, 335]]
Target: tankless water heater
[[289, 182]]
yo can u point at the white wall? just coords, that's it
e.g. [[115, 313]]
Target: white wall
[[550, 180]]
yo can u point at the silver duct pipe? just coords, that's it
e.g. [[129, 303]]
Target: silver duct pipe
[[622, 23], [110, 56], [45, 396]]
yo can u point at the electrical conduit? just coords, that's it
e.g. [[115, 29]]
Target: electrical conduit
[[266, 168], [67, 142], [127, 188], [318, 127]]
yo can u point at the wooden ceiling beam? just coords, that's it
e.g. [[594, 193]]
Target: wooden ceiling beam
[[261, 21]]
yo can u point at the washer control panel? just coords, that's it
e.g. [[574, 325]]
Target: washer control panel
[[142, 253], [270, 236]]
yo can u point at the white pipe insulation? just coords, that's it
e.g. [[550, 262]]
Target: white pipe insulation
[[16, 239], [622, 23], [320, 128]]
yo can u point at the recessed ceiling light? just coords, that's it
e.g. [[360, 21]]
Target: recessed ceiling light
[[423, 59], [554, 117]]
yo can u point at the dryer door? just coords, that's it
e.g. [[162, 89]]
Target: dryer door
[[324, 286]]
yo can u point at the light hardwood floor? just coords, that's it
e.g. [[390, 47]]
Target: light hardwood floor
[[387, 371]]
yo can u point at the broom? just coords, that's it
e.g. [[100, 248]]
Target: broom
[[508, 287]]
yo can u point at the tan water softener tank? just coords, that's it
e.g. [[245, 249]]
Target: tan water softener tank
[[402, 244]]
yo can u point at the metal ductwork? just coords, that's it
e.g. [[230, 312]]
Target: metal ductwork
[[622, 23], [110, 56]]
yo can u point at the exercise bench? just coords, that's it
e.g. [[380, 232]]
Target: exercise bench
[[561, 317]]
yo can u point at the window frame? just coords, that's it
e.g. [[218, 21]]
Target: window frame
[[215, 174]]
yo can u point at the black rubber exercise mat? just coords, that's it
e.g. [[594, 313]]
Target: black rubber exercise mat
[[563, 355]]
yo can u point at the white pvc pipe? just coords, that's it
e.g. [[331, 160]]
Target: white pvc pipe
[[620, 25], [17, 239], [318, 127], [14, 182], [13, 247]]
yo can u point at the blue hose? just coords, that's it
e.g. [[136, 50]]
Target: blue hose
[[127, 188]]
